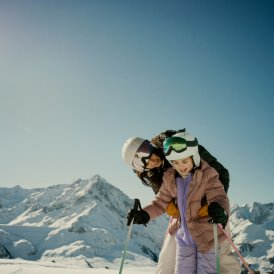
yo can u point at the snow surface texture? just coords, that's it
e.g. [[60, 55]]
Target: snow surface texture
[[28, 267], [83, 225]]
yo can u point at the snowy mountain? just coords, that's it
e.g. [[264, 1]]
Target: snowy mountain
[[253, 234], [85, 220], [84, 223]]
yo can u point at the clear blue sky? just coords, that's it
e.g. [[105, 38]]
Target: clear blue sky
[[77, 78]]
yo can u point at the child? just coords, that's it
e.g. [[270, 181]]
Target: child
[[192, 181]]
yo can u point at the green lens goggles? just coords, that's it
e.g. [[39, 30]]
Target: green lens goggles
[[177, 144]]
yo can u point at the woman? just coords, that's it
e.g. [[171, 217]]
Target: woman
[[149, 163]]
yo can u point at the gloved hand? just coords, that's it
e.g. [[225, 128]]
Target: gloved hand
[[217, 214], [140, 217]]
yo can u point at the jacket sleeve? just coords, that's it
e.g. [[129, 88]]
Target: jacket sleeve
[[212, 161], [215, 191], [164, 196]]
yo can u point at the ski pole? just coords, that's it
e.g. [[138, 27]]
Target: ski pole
[[237, 251], [136, 204], [216, 244]]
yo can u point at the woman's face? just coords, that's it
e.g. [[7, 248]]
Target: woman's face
[[153, 161], [183, 166]]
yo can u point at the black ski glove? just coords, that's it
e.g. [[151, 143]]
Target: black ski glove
[[140, 217], [217, 214]]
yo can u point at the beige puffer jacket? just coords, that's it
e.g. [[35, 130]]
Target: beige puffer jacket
[[205, 182]]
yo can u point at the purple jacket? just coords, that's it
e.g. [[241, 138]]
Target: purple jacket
[[205, 182]]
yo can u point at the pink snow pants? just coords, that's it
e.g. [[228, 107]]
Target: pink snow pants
[[190, 261]]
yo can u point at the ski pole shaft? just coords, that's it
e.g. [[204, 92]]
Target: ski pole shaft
[[216, 244], [236, 250], [136, 205], [125, 247]]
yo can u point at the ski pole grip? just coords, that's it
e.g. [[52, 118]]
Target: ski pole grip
[[137, 204]]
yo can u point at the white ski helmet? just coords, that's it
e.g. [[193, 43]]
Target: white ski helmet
[[190, 148], [130, 148]]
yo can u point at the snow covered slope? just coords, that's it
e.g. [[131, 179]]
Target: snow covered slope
[[86, 222]]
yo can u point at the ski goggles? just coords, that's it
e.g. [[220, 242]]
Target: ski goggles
[[142, 156], [177, 144]]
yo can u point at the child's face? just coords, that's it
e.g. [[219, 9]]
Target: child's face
[[183, 166]]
